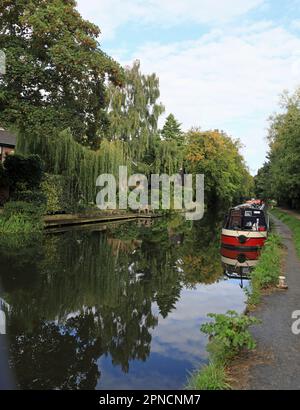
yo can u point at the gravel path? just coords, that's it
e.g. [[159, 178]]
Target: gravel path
[[275, 334]]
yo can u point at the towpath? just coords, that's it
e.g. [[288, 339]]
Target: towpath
[[274, 336]]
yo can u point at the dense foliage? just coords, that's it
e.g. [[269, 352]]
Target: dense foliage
[[23, 172], [279, 178], [56, 71], [228, 334], [172, 130], [21, 217], [217, 156], [84, 115], [64, 156], [231, 330]]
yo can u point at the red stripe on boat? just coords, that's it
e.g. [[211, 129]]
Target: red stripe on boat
[[234, 241], [232, 254]]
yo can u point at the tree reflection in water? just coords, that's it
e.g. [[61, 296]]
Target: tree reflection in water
[[79, 295]]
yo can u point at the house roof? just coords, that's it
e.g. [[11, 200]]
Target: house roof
[[7, 139]]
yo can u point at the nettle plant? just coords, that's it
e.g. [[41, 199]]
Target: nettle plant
[[231, 330]]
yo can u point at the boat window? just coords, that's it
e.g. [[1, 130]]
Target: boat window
[[254, 222], [246, 220], [235, 219]]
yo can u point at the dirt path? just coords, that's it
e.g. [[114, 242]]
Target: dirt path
[[291, 212], [276, 342]]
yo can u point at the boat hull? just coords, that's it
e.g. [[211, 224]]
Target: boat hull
[[243, 240]]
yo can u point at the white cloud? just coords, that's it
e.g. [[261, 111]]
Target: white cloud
[[110, 14], [296, 24], [229, 80]]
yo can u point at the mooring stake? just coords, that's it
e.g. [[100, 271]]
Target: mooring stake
[[282, 283]]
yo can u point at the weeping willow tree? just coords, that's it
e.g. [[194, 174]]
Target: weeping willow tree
[[62, 155], [134, 110], [168, 158], [132, 138], [133, 113]]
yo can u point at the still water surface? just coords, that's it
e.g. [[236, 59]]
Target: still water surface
[[113, 308]]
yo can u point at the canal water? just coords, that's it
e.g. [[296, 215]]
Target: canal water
[[111, 307]]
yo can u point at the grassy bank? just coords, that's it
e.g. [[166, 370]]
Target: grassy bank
[[267, 271], [292, 222], [21, 218], [229, 333]]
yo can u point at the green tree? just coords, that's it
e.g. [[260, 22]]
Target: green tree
[[134, 110], [172, 130], [56, 71], [282, 172], [217, 156], [262, 182], [26, 171]]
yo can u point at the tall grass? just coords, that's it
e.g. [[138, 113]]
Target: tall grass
[[293, 223], [211, 377], [267, 271]]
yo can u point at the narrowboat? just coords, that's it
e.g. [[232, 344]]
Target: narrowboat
[[245, 227]]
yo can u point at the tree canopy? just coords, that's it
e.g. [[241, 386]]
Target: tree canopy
[[172, 130], [134, 110], [217, 156], [279, 178], [56, 71], [83, 114]]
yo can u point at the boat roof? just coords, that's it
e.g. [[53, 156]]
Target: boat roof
[[255, 205]]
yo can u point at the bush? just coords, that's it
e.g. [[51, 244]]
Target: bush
[[61, 193], [3, 177], [52, 188], [231, 332], [21, 217], [27, 209], [26, 171], [37, 198], [228, 335]]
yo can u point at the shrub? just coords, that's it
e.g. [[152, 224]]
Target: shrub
[[37, 198], [228, 335], [27, 209], [61, 193], [3, 177], [52, 188], [24, 170], [21, 217], [230, 331]]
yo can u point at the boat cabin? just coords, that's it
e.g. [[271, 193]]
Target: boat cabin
[[247, 218], [245, 228]]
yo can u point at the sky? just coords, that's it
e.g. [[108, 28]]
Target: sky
[[222, 64]]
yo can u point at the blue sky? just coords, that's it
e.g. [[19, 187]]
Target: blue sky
[[221, 63]]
